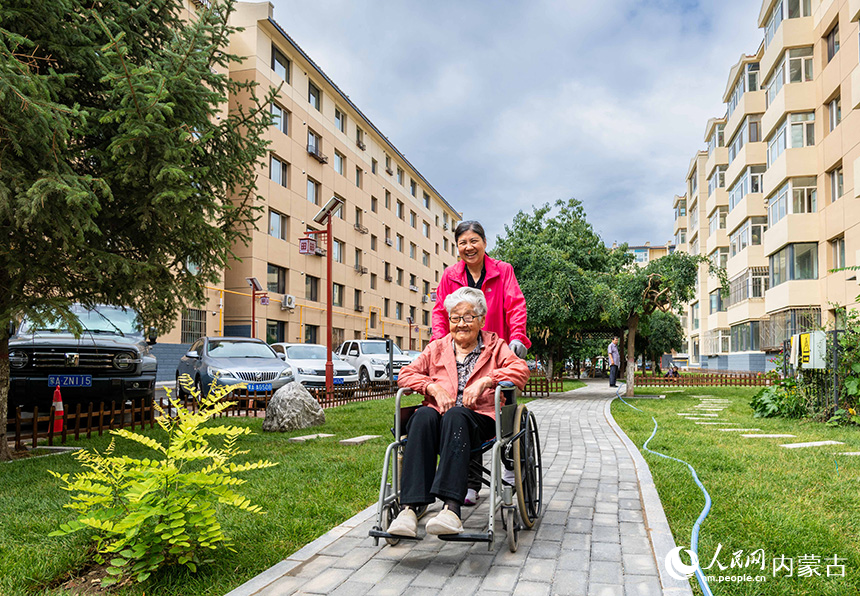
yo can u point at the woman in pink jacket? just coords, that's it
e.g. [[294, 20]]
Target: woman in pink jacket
[[506, 306], [457, 376]]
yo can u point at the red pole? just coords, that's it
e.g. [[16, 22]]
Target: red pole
[[253, 310], [329, 365]]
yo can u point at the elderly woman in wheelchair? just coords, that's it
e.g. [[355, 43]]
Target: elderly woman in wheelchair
[[457, 375]]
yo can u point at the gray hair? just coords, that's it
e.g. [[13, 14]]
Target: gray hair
[[472, 296]]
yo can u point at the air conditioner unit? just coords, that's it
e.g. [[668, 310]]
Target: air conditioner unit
[[389, 242], [425, 298], [288, 302], [444, 226], [413, 288], [359, 308]]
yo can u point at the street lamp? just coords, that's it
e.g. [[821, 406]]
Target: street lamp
[[255, 287], [324, 216]]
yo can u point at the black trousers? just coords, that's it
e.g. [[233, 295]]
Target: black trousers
[[450, 437], [613, 373]]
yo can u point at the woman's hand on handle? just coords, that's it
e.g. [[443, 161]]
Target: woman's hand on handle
[[518, 348]]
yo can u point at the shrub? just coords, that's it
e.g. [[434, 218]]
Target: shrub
[[147, 513], [782, 399]]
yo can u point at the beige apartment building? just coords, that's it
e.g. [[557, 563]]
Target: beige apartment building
[[773, 198], [392, 238]]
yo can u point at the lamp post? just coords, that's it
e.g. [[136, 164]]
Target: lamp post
[[324, 216], [255, 287]]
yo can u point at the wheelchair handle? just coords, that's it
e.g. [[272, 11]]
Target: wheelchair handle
[[400, 393]]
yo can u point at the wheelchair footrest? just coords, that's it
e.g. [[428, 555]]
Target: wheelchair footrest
[[374, 533], [464, 537]]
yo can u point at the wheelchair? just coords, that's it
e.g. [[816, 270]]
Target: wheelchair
[[516, 446]]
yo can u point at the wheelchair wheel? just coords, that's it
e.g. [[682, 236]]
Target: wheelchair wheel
[[391, 512], [528, 469]]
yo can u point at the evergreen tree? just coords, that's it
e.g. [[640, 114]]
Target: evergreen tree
[[120, 163]]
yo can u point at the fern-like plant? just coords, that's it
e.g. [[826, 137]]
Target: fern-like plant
[[147, 513]]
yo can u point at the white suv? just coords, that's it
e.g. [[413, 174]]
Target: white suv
[[370, 358]]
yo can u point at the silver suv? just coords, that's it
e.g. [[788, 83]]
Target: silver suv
[[370, 358]]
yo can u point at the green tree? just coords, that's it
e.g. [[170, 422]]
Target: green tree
[[566, 273], [661, 333], [120, 163]]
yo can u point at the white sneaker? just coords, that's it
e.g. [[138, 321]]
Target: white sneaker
[[471, 498], [405, 524], [446, 522]]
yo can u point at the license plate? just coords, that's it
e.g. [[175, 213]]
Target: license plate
[[70, 380], [338, 380], [259, 386], [395, 377]]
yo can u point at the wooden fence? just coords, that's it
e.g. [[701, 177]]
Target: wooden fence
[[712, 379], [540, 386]]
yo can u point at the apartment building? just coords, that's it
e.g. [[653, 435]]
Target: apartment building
[[645, 253], [392, 238], [772, 197]]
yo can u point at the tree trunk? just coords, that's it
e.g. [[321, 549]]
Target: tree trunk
[[632, 325], [5, 453], [549, 367]]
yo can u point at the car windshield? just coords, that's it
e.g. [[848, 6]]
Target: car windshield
[[377, 347], [104, 319], [240, 349], [308, 353]]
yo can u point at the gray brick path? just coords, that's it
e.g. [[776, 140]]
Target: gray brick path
[[603, 531]]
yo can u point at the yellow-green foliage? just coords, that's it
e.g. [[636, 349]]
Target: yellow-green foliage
[[145, 513]]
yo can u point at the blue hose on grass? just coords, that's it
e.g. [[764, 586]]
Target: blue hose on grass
[[694, 538]]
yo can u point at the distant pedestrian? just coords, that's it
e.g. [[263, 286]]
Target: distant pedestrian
[[614, 360]]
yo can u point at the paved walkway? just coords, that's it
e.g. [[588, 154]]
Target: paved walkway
[[603, 531]]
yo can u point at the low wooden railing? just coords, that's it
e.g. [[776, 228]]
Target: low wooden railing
[[718, 379]]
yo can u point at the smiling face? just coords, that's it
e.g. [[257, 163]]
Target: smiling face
[[472, 248], [465, 334]]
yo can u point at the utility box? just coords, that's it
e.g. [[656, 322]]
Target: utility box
[[809, 350]]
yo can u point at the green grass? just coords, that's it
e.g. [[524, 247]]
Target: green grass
[[316, 486], [571, 384], [788, 502]]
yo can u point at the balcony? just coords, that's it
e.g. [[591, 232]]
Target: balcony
[[718, 198], [802, 161], [793, 228], [790, 294], [752, 205], [793, 97], [360, 228], [751, 154], [752, 102], [315, 152], [792, 33], [680, 224]]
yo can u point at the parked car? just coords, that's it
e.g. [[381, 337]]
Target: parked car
[[308, 364], [110, 361], [233, 360], [370, 357], [413, 354]]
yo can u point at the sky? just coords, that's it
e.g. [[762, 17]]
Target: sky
[[504, 105]]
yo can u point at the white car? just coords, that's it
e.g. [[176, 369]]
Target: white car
[[308, 364], [370, 357]]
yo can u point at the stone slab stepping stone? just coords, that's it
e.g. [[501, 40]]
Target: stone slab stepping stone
[[359, 440], [308, 438], [738, 429], [849, 453], [647, 397], [714, 423], [699, 418], [768, 436], [811, 444]]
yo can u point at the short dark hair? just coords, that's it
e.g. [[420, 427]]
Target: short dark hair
[[616, 337], [469, 226]]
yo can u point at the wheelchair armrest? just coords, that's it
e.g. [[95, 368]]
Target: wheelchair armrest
[[400, 393], [503, 385]]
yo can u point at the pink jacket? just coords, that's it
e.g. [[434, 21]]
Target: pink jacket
[[506, 306], [438, 364]]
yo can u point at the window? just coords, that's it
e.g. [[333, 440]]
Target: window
[[802, 129], [749, 181], [437, 248], [314, 96], [425, 258], [694, 183], [717, 179], [425, 226], [719, 257], [785, 9], [374, 204], [280, 64], [373, 165], [836, 183], [640, 255], [399, 243], [356, 298], [794, 262], [803, 192], [339, 161], [694, 315], [425, 317], [837, 247], [717, 138], [372, 242], [425, 287], [716, 302], [747, 81], [773, 22], [749, 233], [312, 288], [193, 325], [834, 112], [413, 281], [776, 143], [280, 118], [445, 244], [279, 171], [751, 284], [399, 210], [314, 143], [337, 291], [426, 201], [413, 188], [832, 40], [749, 132], [276, 279], [800, 65], [359, 138], [746, 337], [372, 281], [776, 81], [398, 311], [313, 191], [694, 216], [358, 258], [277, 224], [340, 120], [413, 220], [399, 175], [399, 276], [337, 251], [387, 269], [358, 176], [717, 220], [386, 307], [388, 199], [681, 237], [777, 205], [311, 334], [275, 331], [412, 250], [681, 209], [798, 8], [388, 164]]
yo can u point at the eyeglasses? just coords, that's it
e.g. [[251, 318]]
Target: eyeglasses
[[465, 318]]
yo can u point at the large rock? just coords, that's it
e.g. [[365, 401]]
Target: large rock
[[292, 408]]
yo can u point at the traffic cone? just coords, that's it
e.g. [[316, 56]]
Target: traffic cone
[[59, 411]]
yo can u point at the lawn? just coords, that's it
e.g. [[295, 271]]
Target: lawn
[[315, 486], [571, 384], [800, 504]]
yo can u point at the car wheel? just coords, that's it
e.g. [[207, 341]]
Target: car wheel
[[198, 384], [180, 392], [363, 378]]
